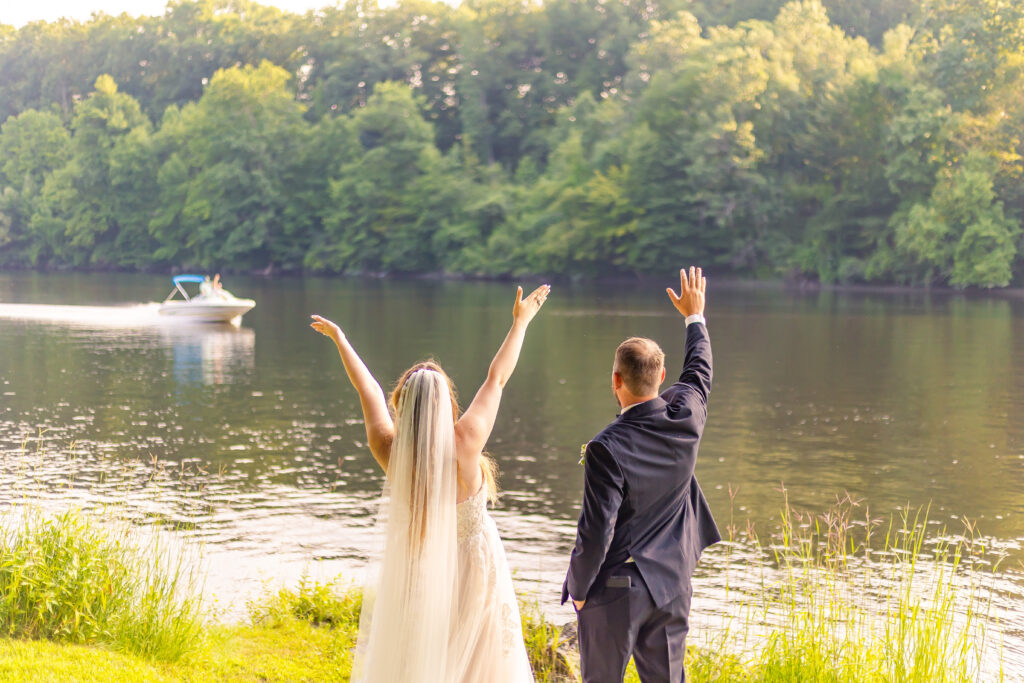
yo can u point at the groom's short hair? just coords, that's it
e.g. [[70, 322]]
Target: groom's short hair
[[639, 362]]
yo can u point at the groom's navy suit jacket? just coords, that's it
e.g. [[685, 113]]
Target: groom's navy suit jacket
[[640, 496]]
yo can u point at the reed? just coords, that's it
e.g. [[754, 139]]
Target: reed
[[846, 597], [68, 578]]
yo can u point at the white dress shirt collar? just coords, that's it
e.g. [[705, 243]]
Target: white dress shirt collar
[[631, 405]]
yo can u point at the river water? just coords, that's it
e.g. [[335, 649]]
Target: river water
[[248, 440]]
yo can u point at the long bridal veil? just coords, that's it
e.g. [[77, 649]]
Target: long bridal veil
[[409, 602]]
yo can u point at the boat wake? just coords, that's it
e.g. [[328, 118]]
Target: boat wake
[[128, 315]]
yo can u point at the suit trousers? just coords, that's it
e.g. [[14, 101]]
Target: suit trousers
[[619, 620]]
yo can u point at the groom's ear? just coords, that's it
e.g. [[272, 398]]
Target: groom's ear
[[616, 381], [662, 380]]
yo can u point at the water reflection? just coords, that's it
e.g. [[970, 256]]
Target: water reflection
[[209, 353]]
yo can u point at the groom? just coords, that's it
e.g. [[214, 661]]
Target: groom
[[644, 521]]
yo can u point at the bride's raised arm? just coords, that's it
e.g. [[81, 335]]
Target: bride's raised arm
[[380, 430], [474, 427]]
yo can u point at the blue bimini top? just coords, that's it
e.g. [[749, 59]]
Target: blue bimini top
[[198, 279]]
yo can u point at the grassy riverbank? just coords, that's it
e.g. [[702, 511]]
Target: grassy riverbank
[[80, 601], [288, 652]]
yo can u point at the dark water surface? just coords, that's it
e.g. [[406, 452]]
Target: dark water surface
[[250, 438]]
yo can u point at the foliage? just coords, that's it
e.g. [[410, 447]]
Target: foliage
[[68, 579], [961, 233], [32, 146], [833, 140], [239, 180], [329, 604], [382, 209]]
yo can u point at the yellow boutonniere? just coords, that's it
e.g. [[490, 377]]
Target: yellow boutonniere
[[583, 452]]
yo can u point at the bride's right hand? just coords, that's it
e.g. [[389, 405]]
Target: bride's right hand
[[524, 309], [326, 328]]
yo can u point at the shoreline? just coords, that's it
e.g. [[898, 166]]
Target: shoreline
[[727, 281]]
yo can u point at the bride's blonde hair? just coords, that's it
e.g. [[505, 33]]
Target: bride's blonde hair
[[488, 467]]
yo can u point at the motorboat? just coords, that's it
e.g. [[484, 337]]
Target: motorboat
[[213, 303]]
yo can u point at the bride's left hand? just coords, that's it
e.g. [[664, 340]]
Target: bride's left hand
[[524, 309]]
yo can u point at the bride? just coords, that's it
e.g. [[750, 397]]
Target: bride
[[440, 608]]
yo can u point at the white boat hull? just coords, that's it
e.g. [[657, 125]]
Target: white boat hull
[[207, 311]]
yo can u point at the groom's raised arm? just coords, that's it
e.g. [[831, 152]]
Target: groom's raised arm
[[697, 372], [696, 376], [602, 494]]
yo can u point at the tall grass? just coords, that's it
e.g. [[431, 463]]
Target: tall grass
[[844, 597], [69, 578]]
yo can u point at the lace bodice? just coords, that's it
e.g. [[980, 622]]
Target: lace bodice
[[471, 513]]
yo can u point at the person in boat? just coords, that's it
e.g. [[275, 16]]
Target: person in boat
[[213, 290]]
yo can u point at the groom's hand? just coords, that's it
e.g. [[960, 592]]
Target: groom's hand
[[579, 604], [692, 286]]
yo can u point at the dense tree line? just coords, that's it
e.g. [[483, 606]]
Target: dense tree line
[[850, 141]]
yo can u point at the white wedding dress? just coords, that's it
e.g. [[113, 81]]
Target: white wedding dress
[[493, 651], [438, 605]]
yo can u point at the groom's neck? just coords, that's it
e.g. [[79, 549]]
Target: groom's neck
[[627, 399]]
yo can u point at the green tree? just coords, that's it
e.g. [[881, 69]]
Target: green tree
[[236, 190], [478, 201], [965, 45], [694, 156], [837, 140], [578, 215], [381, 216], [77, 215], [354, 47], [32, 146], [960, 235]]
